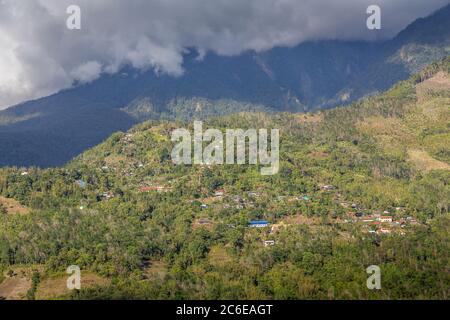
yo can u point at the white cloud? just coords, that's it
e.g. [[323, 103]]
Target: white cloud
[[39, 55], [87, 72]]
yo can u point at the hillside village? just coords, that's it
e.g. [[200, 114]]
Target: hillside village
[[351, 192], [380, 222], [374, 221]]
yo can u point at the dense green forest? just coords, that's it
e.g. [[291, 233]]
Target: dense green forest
[[150, 229]]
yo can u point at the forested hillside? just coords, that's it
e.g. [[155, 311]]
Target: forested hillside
[[367, 184]]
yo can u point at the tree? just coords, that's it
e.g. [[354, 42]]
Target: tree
[[3, 209]]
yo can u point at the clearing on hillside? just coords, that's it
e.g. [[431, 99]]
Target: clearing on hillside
[[439, 82], [423, 161], [54, 287], [12, 206], [16, 286]]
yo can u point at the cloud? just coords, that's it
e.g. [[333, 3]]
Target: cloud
[[40, 56], [87, 72]]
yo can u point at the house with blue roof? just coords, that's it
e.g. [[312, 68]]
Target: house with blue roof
[[258, 224], [81, 183]]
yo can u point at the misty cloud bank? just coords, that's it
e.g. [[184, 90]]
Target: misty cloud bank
[[40, 56]]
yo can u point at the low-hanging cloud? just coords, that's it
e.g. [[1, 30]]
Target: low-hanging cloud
[[39, 55]]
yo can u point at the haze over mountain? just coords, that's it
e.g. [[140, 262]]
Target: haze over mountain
[[313, 75]]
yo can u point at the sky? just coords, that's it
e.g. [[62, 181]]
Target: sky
[[39, 55]]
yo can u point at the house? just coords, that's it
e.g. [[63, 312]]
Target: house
[[204, 221], [368, 219], [258, 224], [269, 243], [203, 206], [108, 195], [146, 189], [385, 219], [384, 230], [24, 173], [327, 187], [81, 183], [219, 192], [155, 188]]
